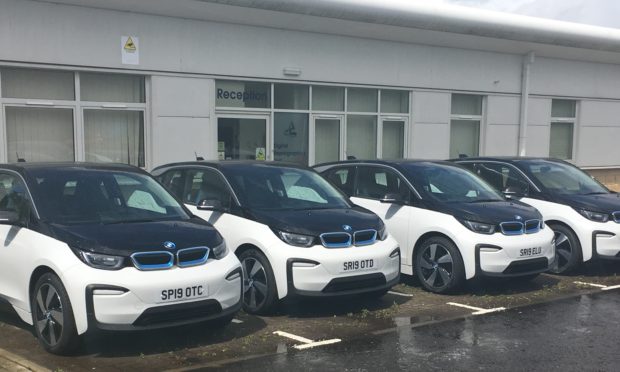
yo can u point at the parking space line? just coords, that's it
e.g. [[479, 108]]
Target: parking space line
[[592, 285], [306, 342], [293, 337], [611, 287], [237, 321], [477, 310], [400, 294]]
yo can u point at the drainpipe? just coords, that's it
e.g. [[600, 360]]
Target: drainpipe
[[528, 60]]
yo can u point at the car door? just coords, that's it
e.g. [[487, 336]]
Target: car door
[[15, 250], [372, 184]]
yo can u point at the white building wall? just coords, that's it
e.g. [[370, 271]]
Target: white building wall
[[539, 121], [598, 133], [502, 126], [430, 130]]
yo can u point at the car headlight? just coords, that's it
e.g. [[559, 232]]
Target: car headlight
[[297, 240], [382, 233], [220, 250], [102, 261], [594, 216], [479, 227]]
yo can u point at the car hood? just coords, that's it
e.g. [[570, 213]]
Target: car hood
[[125, 239], [318, 221], [493, 212], [606, 203]]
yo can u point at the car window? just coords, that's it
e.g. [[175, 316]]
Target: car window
[[13, 194], [376, 182], [562, 178], [343, 178], [174, 181], [502, 177], [205, 184]]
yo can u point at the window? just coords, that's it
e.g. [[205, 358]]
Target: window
[[563, 115], [290, 96], [327, 98], [376, 182], [13, 194], [291, 137], [466, 116], [174, 181], [241, 138], [343, 178], [362, 136], [502, 177], [39, 134], [205, 184], [393, 139], [242, 94], [361, 100], [394, 101], [51, 130]]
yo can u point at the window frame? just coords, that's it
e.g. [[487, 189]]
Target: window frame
[[565, 121], [479, 118]]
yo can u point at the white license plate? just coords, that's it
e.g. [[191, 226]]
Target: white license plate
[[529, 252], [357, 265], [183, 293]]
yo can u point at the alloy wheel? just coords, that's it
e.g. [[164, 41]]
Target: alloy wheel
[[436, 266], [49, 315], [563, 252], [255, 289]]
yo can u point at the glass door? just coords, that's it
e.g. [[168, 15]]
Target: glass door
[[393, 137], [326, 135], [242, 137]]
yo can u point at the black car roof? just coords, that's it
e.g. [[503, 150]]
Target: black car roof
[[395, 162], [507, 159], [24, 167], [221, 164]]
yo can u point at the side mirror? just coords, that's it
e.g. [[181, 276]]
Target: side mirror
[[392, 199], [210, 205], [9, 217], [514, 192]]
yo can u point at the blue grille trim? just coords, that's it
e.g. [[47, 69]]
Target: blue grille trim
[[512, 231], [336, 245], [532, 230], [146, 267], [365, 242], [196, 262]]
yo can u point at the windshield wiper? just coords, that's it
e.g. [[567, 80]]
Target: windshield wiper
[[485, 200]]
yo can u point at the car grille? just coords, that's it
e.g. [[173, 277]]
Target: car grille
[[178, 312], [352, 283], [519, 228], [616, 216], [161, 260], [344, 239], [527, 266]]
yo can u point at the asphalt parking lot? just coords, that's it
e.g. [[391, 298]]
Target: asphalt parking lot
[[297, 327]]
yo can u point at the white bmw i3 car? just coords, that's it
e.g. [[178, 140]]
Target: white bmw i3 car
[[294, 233], [89, 246], [451, 225]]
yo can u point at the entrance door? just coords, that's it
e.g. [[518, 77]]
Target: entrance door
[[393, 137], [242, 137], [326, 135]]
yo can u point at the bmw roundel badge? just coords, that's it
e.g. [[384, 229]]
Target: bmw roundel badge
[[347, 228], [169, 245], [518, 218]]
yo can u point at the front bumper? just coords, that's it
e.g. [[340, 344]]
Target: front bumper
[[503, 259], [606, 243], [129, 299], [323, 275]]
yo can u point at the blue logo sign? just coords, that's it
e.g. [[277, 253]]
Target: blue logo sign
[[169, 245], [347, 228]]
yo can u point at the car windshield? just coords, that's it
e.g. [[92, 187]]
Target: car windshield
[[562, 178], [85, 196], [450, 184], [283, 188]]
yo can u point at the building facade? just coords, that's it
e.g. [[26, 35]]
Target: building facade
[[148, 83]]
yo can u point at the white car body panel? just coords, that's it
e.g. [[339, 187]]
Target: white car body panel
[[421, 221], [238, 231]]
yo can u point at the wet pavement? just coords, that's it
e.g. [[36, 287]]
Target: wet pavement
[[576, 334], [358, 322]]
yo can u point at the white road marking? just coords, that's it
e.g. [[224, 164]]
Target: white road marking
[[293, 337], [318, 343], [237, 321], [306, 342], [611, 287], [592, 285], [400, 294], [477, 310]]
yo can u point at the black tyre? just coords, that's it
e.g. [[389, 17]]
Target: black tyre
[[52, 315], [567, 250], [439, 266], [260, 294]]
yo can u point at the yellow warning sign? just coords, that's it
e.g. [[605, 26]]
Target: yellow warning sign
[[130, 46]]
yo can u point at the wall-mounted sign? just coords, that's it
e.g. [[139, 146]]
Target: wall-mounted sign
[[242, 94], [130, 50]]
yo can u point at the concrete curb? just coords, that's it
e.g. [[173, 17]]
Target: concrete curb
[[12, 362]]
